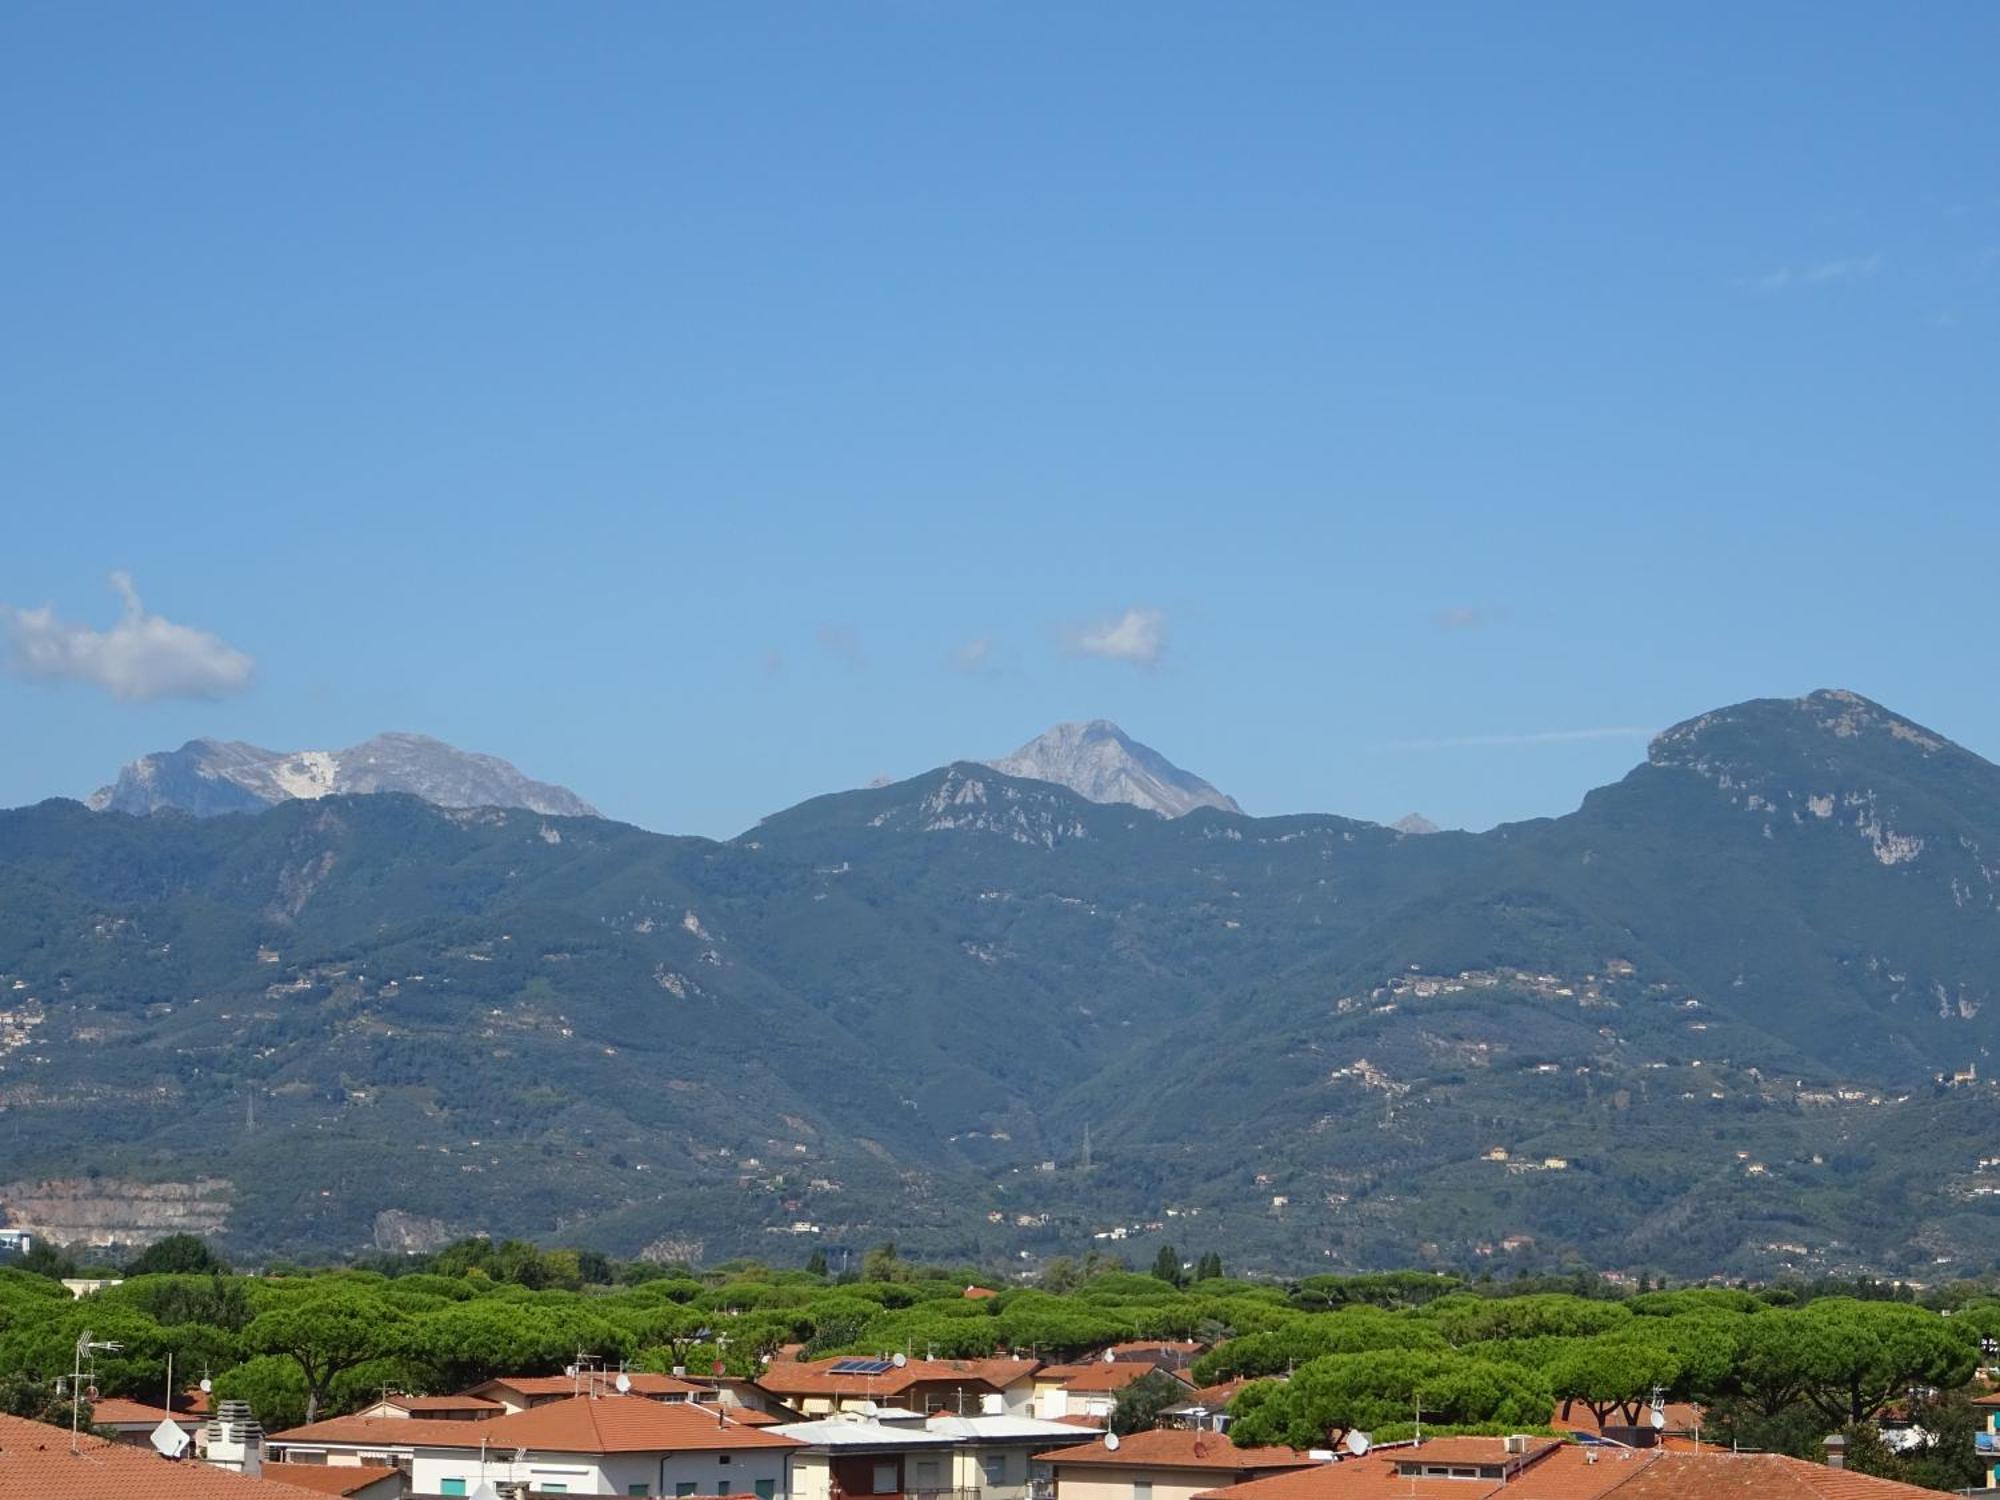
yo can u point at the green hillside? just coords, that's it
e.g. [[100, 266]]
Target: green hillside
[[1720, 993]]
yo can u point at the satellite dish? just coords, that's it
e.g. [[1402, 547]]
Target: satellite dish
[[169, 1440], [623, 1383], [1110, 1358], [1358, 1443], [1111, 1441], [1659, 1419], [899, 1360], [570, 1370], [207, 1385], [90, 1393]]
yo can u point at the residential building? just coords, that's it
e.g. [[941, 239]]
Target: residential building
[[1090, 1390], [820, 1387], [516, 1393], [1169, 1463], [851, 1454], [134, 1422], [1988, 1406], [435, 1408], [581, 1445], [994, 1457]]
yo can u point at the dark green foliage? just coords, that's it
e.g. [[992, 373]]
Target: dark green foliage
[[176, 1255], [1137, 1408]]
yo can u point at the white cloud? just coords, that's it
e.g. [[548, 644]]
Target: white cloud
[[1820, 273], [1138, 636], [141, 657], [974, 658], [1535, 737]]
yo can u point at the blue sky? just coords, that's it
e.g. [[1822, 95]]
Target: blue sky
[[1371, 408]]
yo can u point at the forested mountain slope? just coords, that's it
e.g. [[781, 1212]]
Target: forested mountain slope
[[1719, 995]]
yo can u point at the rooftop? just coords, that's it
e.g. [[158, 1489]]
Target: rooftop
[[575, 1424], [36, 1464], [1177, 1448], [329, 1479]]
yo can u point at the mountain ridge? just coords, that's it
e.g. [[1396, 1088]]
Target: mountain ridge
[[207, 777], [897, 1010]]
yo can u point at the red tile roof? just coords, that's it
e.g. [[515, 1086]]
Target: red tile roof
[[1177, 1448], [815, 1377], [644, 1383], [1101, 1375], [1758, 1476], [447, 1403], [372, 1432], [980, 1293], [36, 1464], [1570, 1472], [116, 1411], [329, 1479], [577, 1424], [621, 1424]]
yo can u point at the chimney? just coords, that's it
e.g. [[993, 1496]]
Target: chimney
[[1836, 1451], [235, 1439]]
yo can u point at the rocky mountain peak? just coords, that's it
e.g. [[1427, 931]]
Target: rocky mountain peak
[[1415, 823], [1097, 760], [206, 777]]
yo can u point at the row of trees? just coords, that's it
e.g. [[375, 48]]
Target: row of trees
[[1323, 1357]]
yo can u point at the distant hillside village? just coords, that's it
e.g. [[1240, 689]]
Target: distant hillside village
[[478, 1377]]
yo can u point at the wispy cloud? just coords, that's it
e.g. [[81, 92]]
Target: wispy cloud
[[1138, 637], [142, 657], [1470, 616], [974, 658], [1533, 737], [1819, 273], [842, 642]]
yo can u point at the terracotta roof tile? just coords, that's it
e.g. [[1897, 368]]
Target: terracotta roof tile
[[576, 1424], [644, 1383], [816, 1377], [116, 1411], [329, 1479], [36, 1464], [1177, 1448], [1758, 1476]]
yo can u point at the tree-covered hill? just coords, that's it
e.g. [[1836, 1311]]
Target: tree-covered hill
[[1695, 1025]]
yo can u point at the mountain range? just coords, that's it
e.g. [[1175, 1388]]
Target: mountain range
[[1732, 1015], [207, 777]]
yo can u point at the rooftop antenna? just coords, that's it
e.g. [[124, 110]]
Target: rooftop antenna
[[85, 1346]]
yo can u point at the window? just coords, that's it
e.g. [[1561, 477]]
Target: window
[[555, 1489], [928, 1475], [722, 1487], [684, 1488], [994, 1466], [886, 1482], [767, 1489], [638, 1489], [451, 1486], [1142, 1489]]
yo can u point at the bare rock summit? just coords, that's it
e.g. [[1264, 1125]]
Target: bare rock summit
[[1098, 760]]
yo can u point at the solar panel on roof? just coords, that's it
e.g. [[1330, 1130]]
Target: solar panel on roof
[[861, 1367]]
